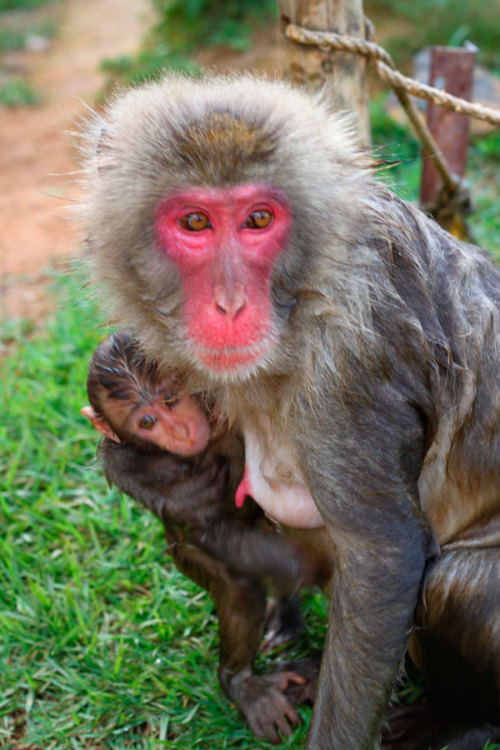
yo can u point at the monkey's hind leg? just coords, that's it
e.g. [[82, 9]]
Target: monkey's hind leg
[[284, 622], [457, 647], [241, 611]]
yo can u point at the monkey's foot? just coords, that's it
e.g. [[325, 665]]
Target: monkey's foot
[[262, 700], [309, 669], [428, 727]]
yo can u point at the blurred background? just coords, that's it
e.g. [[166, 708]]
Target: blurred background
[[103, 644]]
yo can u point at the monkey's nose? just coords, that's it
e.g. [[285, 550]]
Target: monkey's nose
[[179, 430], [229, 302]]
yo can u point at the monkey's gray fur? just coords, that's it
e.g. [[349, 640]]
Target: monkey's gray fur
[[383, 373]]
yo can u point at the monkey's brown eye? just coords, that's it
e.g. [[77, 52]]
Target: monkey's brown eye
[[147, 421], [195, 222], [258, 220], [171, 399]]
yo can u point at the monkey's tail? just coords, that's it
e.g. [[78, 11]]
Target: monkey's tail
[[430, 727]]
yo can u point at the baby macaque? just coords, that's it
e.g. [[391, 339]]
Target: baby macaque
[[162, 449]]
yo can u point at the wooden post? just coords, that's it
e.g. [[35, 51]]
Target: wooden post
[[342, 74], [452, 69]]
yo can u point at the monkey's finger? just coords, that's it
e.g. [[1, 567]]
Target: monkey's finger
[[288, 714], [277, 714], [287, 677], [291, 714], [266, 730]]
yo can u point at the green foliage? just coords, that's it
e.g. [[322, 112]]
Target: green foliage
[[489, 148], [18, 93], [15, 90], [446, 22], [12, 39], [212, 21], [185, 26], [482, 174], [21, 4], [395, 144]]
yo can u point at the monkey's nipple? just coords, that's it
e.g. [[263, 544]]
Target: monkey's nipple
[[244, 489]]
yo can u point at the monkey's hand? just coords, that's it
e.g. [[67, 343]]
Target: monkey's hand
[[262, 701]]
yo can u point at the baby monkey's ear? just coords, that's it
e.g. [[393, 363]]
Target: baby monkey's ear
[[99, 423]]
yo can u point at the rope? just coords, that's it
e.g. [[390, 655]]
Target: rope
[[384, 66], [386, 69]]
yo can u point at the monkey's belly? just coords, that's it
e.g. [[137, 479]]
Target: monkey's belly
[[273, 479]]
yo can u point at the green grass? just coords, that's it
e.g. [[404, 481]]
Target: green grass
[[11, 39], [185, 26], [15, 90], [14, 39]]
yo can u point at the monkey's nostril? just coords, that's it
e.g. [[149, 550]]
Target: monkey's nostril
[[229, 302]]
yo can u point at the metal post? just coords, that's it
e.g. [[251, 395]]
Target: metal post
[[451, 70]]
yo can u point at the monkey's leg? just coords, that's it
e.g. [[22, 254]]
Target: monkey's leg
[[284, 616], [284, 621], [241, 609], [457, 647], [257, 553]]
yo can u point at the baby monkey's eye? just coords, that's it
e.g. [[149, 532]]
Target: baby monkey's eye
[[147, 421], [171, 399]]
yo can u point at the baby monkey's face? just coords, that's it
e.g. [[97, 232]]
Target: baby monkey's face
[[167, 419]]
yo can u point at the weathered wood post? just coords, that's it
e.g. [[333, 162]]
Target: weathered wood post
[[343, 74]]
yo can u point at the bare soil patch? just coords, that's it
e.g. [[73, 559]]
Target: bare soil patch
[[36, 158]]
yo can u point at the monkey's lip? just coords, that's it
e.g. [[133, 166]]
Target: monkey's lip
[[221, 360]]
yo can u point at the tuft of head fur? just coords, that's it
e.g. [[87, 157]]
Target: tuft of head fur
[[119, 370]]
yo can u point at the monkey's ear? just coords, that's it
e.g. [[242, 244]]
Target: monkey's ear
[[99, 423]]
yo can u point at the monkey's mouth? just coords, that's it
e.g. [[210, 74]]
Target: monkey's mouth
[[230, 359]]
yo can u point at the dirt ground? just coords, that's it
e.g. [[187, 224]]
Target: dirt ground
[[37, 159]]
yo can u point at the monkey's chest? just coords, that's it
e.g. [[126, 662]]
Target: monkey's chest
[[274, 479]]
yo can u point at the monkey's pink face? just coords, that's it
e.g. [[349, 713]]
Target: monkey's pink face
[[178, 426], [225, 243]]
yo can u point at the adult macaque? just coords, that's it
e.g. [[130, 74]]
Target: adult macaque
[[160, 449], [240, 234]]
